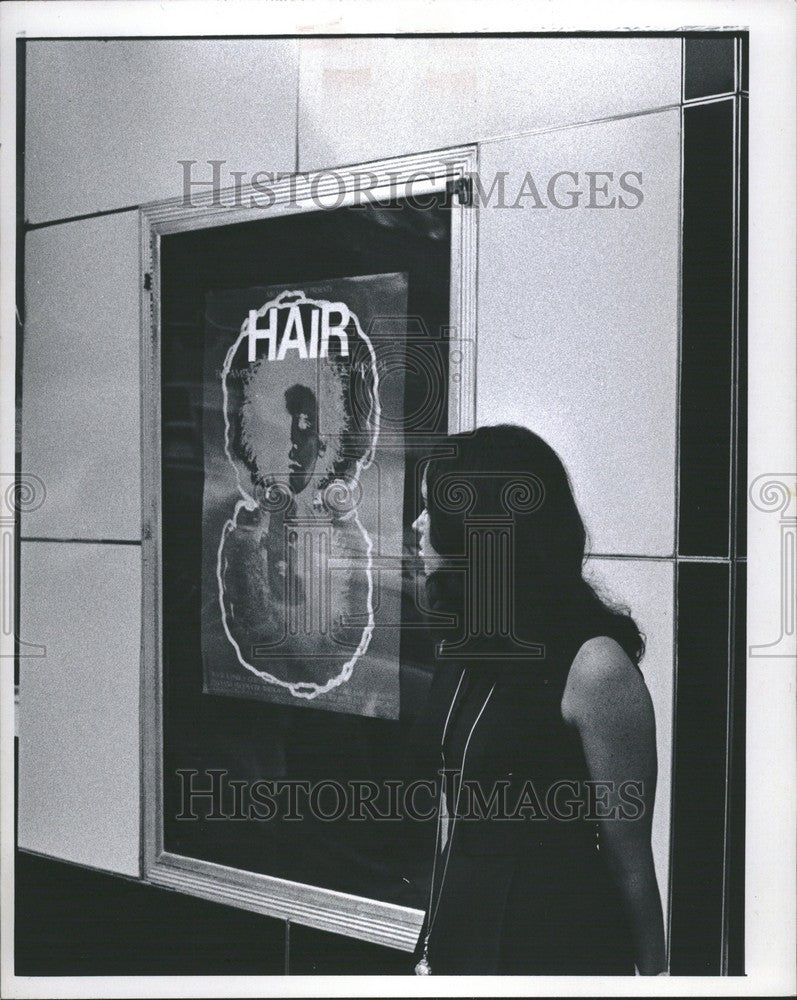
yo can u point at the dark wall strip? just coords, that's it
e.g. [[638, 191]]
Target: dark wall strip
[[707, 918], [700, 769], [49, 223], [72, 921], [744, 82], [741, 347], [707, 329], [709, 66], [314, 952]]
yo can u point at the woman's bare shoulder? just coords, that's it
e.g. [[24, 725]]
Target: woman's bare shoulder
[[602, 677]]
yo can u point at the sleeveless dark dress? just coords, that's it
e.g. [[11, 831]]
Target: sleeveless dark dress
[[523, 896]]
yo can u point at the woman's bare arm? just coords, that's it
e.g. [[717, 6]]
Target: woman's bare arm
[[607, 701]]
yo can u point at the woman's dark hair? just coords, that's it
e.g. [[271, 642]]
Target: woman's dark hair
[[502, 475]]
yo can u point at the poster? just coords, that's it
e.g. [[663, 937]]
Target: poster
[[301, 499]]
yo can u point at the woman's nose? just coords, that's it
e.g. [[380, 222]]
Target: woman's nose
[[417, 524]]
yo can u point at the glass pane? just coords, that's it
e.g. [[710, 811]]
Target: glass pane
[[242, 698]]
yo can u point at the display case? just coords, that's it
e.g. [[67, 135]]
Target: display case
[[306, 342]]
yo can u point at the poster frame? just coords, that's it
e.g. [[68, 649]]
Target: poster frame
[[421, 174]]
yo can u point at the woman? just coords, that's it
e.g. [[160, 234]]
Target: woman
[[542, 862]]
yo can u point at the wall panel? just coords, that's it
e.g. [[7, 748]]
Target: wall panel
[[81, 390], [78, 726], [107, 121], [578, 317], [366, 98]]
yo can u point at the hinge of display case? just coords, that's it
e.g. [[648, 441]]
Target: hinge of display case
[[462, 187], [147, 282]]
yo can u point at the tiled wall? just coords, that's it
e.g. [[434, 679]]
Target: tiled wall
[[364, 99], [550, 341]]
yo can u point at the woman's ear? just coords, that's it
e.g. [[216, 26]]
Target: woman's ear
[[322, 446]]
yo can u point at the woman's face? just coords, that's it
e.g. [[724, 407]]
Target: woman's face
[[431, 558]]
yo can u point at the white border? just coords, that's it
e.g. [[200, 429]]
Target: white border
[[771, 862]]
